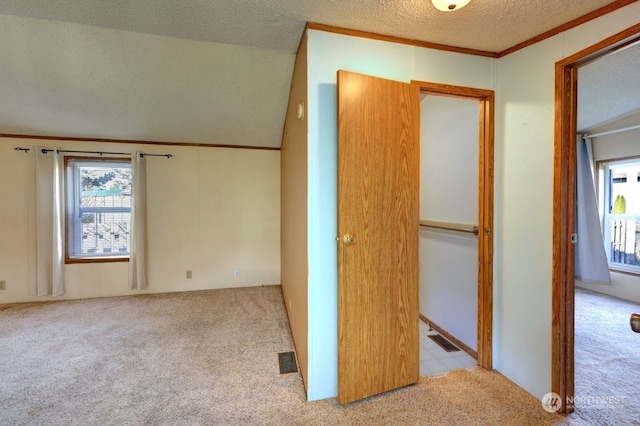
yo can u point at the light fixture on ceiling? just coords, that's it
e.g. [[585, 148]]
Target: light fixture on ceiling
[[449, 5]]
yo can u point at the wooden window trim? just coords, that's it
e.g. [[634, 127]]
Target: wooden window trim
[[84, 260]]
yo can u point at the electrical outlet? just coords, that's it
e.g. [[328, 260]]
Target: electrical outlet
[[189, 273], [237, 273], [3, 285]]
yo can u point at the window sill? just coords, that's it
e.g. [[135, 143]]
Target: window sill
[[97, 259], [623, 269]]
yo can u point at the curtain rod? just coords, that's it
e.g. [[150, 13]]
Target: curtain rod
[[47, 150], [610, 132]]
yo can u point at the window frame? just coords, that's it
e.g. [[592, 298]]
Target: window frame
[[605, 205], [71, 200]]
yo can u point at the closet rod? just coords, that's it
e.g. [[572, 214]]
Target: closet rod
[[610, 132], [448, 226]]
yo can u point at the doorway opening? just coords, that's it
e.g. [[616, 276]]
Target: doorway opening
[[483, 167], [564, 219]]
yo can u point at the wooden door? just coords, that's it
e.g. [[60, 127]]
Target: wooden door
[[378, 225]]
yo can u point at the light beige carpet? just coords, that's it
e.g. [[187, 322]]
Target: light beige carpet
[[205, 358], [607, 361]]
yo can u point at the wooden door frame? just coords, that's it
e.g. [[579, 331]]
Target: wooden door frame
[[564, 205], [485, 208]]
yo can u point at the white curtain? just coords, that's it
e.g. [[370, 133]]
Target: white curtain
[[46, 221], [138, 243], [591, 259]]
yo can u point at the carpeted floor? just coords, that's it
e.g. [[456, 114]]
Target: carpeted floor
[[206, 358], [607, 361]]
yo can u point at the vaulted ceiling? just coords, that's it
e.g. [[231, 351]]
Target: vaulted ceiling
[[209, 71], [491, 25]]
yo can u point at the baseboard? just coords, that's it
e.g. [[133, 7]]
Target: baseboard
[[449, 337]]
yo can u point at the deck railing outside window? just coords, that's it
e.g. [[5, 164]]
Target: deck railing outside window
[[625, 240]]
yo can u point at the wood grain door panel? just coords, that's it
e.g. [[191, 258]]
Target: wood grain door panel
[[378, 205]]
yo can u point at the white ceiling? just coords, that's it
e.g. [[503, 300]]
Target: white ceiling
[[218, 71], [491, 25], [609, 91]]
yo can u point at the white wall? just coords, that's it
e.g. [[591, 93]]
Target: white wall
[[616, 145], [449, 154], [381, 59], [524, 193], [608, 147], [210, 210], [524, 84], [523, 216]]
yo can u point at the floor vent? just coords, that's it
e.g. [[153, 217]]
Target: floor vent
[[443, 343], [287, 361]]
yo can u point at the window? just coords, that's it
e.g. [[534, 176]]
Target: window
[[621, 213], [98, 208]]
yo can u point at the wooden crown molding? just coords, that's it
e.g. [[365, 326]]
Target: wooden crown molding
[[618, 4], [400, 40], [571, 24]]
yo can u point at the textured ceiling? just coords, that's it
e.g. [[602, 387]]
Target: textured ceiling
[[491, 25], [218, 71], [609, 91]]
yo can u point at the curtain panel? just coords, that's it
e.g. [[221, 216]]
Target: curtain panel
[[138, 249], [46, 224], [591, 259]]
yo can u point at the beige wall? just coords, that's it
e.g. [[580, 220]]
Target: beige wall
[[210, 210], [294, 211]]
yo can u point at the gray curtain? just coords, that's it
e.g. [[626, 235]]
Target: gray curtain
[[591, 259]]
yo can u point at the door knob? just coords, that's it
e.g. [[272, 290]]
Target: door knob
[[348, 239], [635, 322]]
